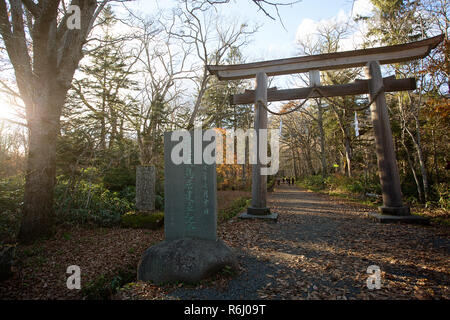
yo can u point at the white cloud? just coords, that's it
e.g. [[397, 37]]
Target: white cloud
[[307, 26], [362, 8], [307, 31], [277, 51]]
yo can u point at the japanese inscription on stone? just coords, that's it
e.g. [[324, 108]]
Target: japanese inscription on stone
[[190, 195]]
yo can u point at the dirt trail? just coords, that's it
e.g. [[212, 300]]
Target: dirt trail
[[320, 248]]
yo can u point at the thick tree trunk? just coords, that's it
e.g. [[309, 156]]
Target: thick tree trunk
[[38, 211], [44, 65]]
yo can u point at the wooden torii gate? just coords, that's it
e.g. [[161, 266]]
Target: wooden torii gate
[[376, 86]]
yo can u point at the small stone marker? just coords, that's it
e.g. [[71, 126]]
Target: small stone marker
[[191, 250], [190, 197], [145, 188]]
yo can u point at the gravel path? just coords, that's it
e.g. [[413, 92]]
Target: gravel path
[[321, 247]]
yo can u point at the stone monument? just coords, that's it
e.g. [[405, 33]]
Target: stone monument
[[191, 250], [145, 188]]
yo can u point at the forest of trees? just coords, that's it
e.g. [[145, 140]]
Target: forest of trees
[[92, 113], [324, 143]]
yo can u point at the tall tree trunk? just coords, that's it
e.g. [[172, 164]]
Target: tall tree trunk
[[411, 166], [366, 170], [348, 157], [347, 142], [113, 123], [38, 210], [422, 193], [343, 124], [416, 139], [423, 170], [300, 173], [309, 162], [243, 176], [102, 133], [294, 161], [342, 163], [44, 65], [435, 160]]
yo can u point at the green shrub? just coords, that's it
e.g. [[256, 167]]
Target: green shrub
[[357, 185], [341, 184], [104, 287], [159, 202], [143, 220], [271, 183], [443, 194], [117, 179], [128, 194], [91, 203], [314, 182], [11, 200], [236, 207], [11, 193], [9, 226]]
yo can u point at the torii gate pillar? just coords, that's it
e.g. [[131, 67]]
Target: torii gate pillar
[[387, 164], [258, 208]]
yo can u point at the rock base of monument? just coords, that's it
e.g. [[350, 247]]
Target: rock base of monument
[[185, 260], [385, 218]]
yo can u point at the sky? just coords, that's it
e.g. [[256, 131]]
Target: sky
[[276, 40]]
